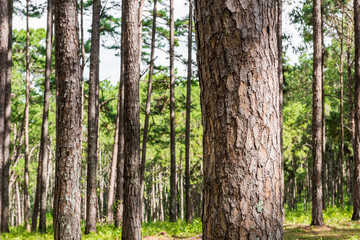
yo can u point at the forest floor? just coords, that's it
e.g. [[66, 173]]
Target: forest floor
[[297, 226]]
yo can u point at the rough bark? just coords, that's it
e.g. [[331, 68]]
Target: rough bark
[[7, 130], [317, 194], [27, 102], [93, 121], [111, 191], [44, 144], [173, 190], [4, 38], [188, 211], [238, 59], [132, 162], [356, 193], [68, 122]]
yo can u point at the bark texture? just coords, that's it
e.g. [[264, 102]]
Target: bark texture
[[173, 190], [356, 193], [68, 122], [93, 121], [317, 193], [238, 59], [7, 129], [188, 214], [26, 117], [132, 162], [44, 145], [4, 37]]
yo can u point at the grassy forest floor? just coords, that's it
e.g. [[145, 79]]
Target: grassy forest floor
[[296, 226]]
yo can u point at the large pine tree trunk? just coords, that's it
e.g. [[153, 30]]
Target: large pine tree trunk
[[4, 37], [356, 197], [317, 194], [132, 163], [68, 122], [188, 211], [27, 102], [7, 130], [173, 190], [93, 121], [44, 145], [238, 59]]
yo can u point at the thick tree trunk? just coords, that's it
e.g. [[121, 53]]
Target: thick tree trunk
[[111, 191], [188, 214], [132, 163], [356, 193], [4, 38], [27, 102], [173, 190], [7, 130], [44, 145], [93, 121], [68, 122], [238, 59], [317, 198]]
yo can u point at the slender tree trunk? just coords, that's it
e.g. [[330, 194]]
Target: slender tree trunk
[[93, 121], [351, 115], [68, 122], [356, 193], [132, 163], [7, 130], [173, 190], [341, 159], [240, 109], [148, 98], [317, 208], [188, 214], [181, 188], [119, 196], [111, 191], [44, 145], [18, 204], [4, 38], [27, 102], [36, 205]]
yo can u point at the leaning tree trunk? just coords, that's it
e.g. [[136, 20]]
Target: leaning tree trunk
[[317, 194], [356, 193], [238, 59], [26, 116], [173, 190], [4, 38], [7, 129], [93, 121], [188, 211], [68, 122], [44, 145], [132, 162]]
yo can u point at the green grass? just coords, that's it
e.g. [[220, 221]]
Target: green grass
[[296, 226], [179, 229]]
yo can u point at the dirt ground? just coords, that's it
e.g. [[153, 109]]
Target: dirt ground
[[164, 236]]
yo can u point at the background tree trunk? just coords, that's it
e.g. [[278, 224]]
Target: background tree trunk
[[238, 60], [188, 214], [68, 121], [317, 194], [132, 163], [27, 102], [93, 121], [173, 190], [45, 143]]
